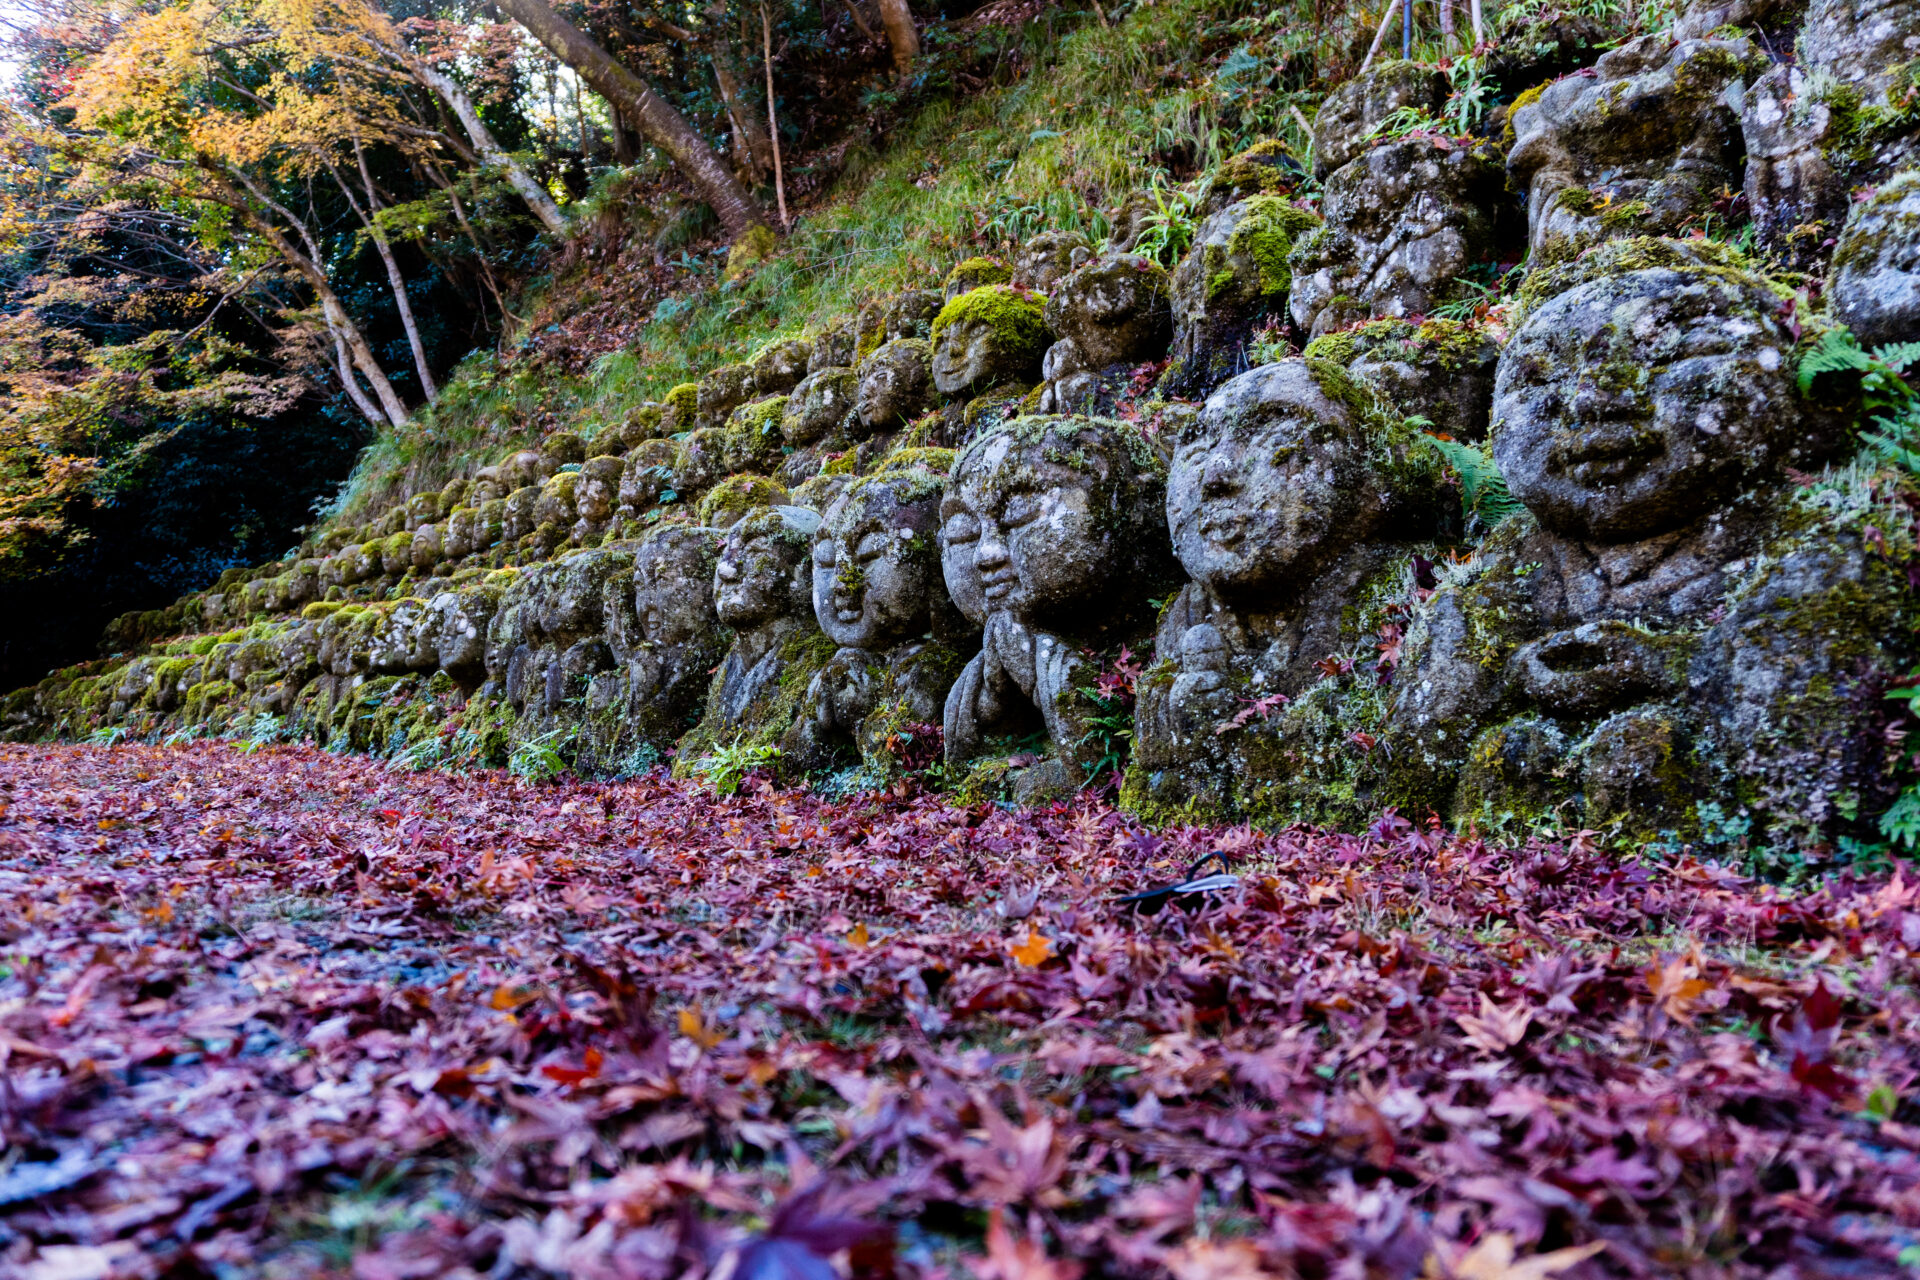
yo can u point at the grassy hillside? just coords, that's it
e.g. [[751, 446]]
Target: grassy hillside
[[1164, 93]]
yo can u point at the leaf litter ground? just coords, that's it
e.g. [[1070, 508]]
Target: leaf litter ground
[[289, 1013]]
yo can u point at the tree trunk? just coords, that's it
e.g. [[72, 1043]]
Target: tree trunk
[[354, 391], [746, 125], [663, 126], [394, 278], [898, 20], [490, 149], [308, 265]]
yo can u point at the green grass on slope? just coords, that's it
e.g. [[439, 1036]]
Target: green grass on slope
[[1169, 89]]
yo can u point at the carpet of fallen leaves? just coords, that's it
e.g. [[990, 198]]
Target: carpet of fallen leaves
[[288, 1013]]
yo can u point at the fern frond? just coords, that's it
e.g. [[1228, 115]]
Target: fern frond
[[1483, 490], [1898, 356], [1836, 352]]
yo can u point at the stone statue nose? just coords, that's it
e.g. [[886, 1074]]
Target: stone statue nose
[[990, 549], [1591, 399], [1220, 478]]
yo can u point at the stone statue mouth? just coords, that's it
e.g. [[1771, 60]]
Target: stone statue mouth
[[997, 588], [847, 615], [1608, 450], [1226, 531]]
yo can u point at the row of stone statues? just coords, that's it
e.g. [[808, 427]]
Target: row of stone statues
[[1060, 517], [1670, 616]]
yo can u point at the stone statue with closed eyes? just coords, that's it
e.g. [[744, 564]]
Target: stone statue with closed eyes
[[876, 595], [1050, 531]]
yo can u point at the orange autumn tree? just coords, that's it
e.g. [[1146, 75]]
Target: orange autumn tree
[[249, 110]]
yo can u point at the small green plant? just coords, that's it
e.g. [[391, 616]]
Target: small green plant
[[1169, 228], [1406, 122], [1484, 499], [426, 753], [1110, 727], [111, 736], [1893, 431], [540, 759], [262, 730], [728, 766], [1466, 107]]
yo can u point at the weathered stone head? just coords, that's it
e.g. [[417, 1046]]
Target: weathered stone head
[[1351, 113], [1633, 403], [1876, 268], [1236, 275], [673, 585], [765, 567], [1288, 465], [988, 336], [821, 404], [894, 385], [874, 559], [1439, 370], [1058, 518], [1113, 309], [1405, 221], [1642, 146], [1049, 256]]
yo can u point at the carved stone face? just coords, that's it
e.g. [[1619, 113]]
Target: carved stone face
[[758, 577], [1047, 512], [672, 578], [959, 537], [873, 560], [1640, 146], [987, 337], [1270, 480], [1631, 404], [893, 387]]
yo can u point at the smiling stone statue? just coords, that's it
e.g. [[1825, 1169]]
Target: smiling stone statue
[[1290, 496], [1644, 418], [1051, 529], [876, 595]]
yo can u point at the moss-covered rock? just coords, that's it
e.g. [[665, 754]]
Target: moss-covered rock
[[556, 501], [699, 463], [1441, 371], [820, 405], [1875, 282], [564, 448], [1405, 224], [895, 386], [780, 364], [1114, 309], [753, 440], [1236, 276], [726, 502], [642, 422], [1048, 256], [1644, 146], [680, 410], [722, 391], [1266, 168], [1347, 120]]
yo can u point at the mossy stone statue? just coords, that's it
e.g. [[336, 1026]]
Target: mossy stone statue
[[1643, 146], [1404, 224], [988, 336]]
